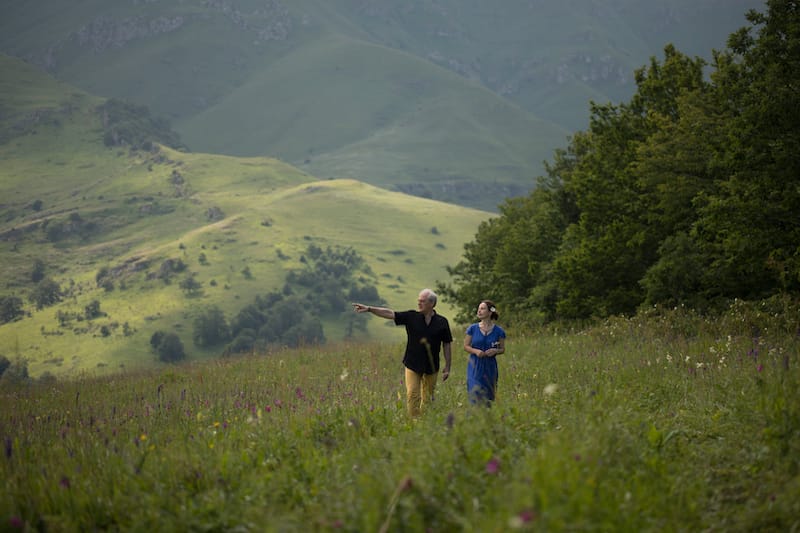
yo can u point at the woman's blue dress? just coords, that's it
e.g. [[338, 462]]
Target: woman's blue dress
[[482, 372]]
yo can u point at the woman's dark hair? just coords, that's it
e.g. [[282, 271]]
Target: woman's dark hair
[[492, 308]]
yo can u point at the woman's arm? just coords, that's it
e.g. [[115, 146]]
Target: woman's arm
[[501, 348], [469, 349]]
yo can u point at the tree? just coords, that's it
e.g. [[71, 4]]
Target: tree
[[92, 310], [38, 271], [47, 292], [210, 327], [688, 193], [750, 223], [168, 346], [190, 285], [10, 309]]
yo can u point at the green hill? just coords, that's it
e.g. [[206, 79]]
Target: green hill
[[106, 222], [383, 92]]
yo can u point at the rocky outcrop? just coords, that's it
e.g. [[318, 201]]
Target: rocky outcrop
[[106, 32]]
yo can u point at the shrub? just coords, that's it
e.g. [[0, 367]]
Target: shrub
[[37, 273], [168, 346], [211, 328], [92, 310], [46, 293], [10, 308]]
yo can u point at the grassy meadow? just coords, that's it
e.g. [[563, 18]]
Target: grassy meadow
[[662, 422], [238, 224]]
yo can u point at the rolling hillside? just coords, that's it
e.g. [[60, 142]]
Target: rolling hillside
[[107, 222], [459, 100]]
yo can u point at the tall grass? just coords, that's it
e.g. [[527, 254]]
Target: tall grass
[[668, 422]]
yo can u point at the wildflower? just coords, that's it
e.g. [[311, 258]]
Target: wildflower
[[493, 466], [550, 389], [64, 482], [343, 375], [16, 522], [143, 437], [521, 519], [451, 418], [8, 447]]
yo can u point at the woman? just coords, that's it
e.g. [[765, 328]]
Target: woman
[[484, 341]]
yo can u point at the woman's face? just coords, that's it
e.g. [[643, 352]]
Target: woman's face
[[483, 311]]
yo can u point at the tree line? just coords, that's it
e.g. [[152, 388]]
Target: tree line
[[688, 194]]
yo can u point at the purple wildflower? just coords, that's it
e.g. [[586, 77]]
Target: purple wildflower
[[493, 466]]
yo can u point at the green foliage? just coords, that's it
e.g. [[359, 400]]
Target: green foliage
[[10, 308], [190, 285], [15, 373], [168, 346], [662, 422], [330, 279], [92, 310], [275, 320], [129, 124], [46, 293], [686, 195], [38, 271], [74, 226], [169, 267], [210, 327]]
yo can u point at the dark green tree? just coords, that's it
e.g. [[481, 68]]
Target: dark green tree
[[190, 285], [38, 271], [10, 308], [168, 347], [47, 292], [211, 327], [751, 223]]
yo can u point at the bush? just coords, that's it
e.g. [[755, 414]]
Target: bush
[[10, 308], [16, 373], [37, 273], [168, 346], [46, 293], [211, 328], [92, 310]]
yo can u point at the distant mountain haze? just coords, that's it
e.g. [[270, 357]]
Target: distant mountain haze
[[457, 100]]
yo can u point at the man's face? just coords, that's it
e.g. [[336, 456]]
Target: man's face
[[424, 303]]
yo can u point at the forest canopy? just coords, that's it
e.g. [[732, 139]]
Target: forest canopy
[[688, 194]]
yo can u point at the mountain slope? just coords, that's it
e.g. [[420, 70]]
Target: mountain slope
[[428, 128], [108, 224], [247, 77]]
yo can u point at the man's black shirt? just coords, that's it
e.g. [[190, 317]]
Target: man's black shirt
[[424, 340]]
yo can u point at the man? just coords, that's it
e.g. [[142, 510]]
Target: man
[[428, 332]]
